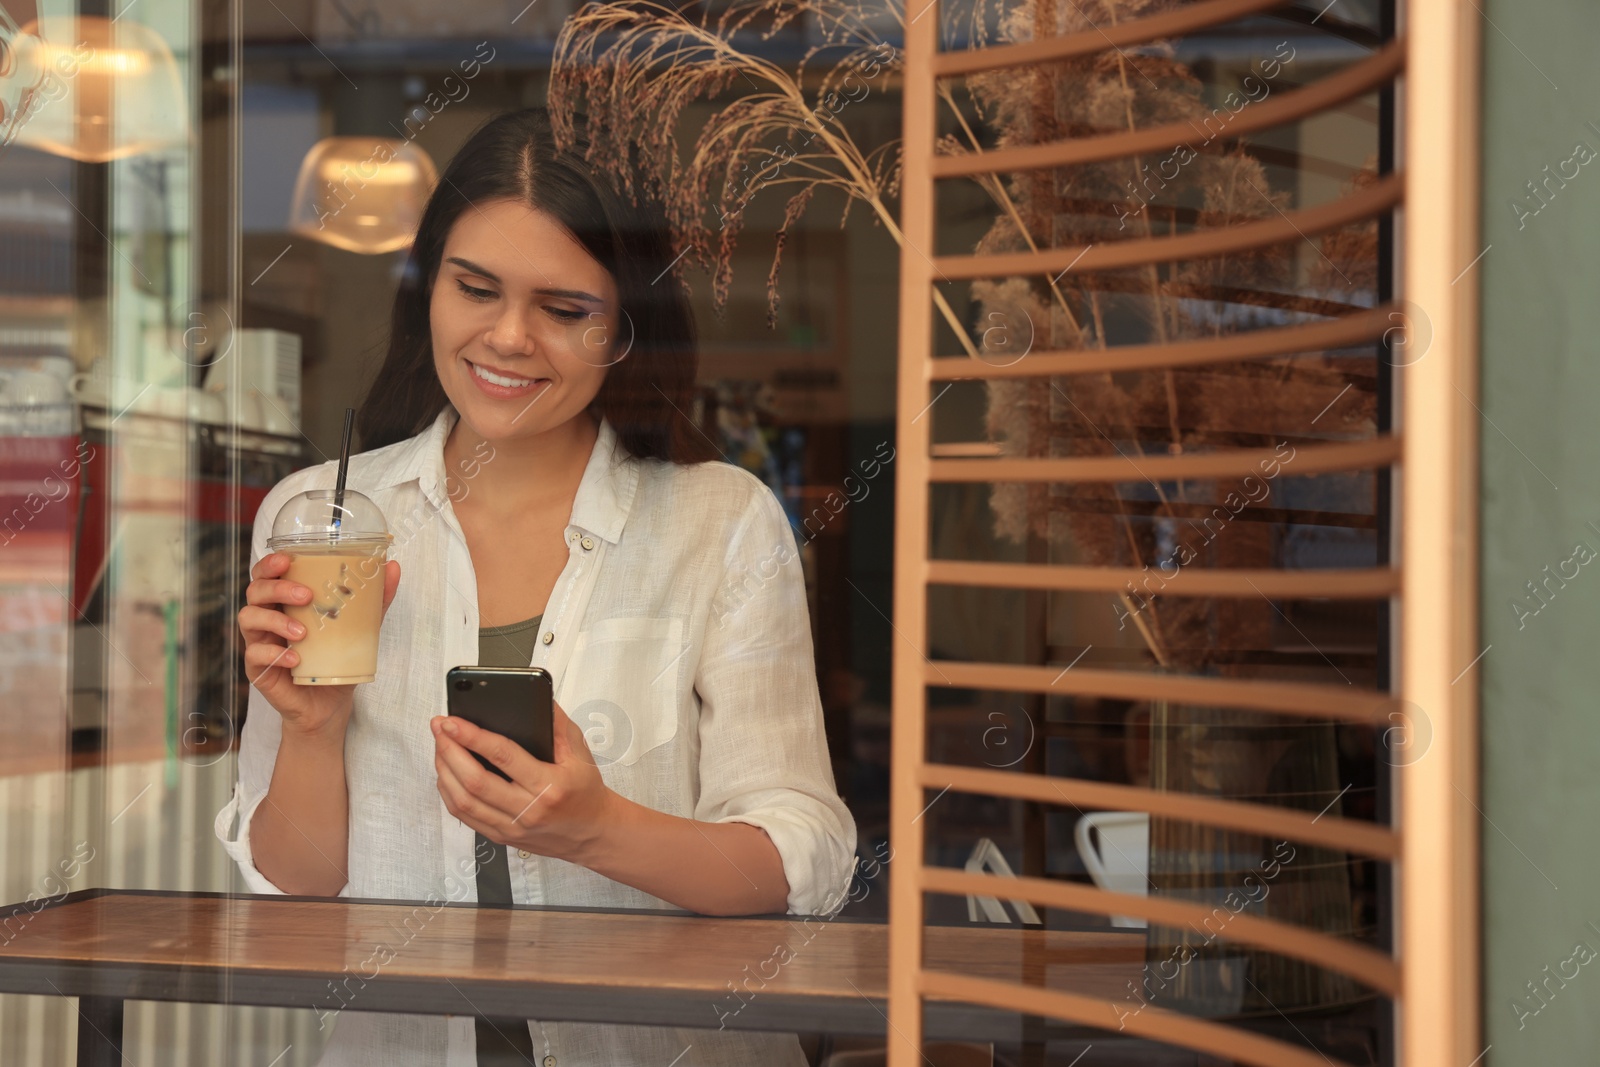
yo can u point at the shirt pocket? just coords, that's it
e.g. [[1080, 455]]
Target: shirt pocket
[[621, 686]]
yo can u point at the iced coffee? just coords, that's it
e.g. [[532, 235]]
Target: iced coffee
[[337, 549]]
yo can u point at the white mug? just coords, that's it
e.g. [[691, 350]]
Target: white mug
[[89, 389]]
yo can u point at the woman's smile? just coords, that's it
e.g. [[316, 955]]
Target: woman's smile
[[499, 383]]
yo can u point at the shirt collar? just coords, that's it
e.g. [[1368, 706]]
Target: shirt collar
[[605, 493]]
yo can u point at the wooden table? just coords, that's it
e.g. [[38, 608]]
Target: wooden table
[[795, 973]]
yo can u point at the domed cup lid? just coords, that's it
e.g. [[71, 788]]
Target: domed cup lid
[[312, 517]]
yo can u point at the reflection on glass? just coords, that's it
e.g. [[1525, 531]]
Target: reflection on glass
[[362, 194], [102, 89]]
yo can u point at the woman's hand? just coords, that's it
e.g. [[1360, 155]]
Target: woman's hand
[[565, 810], [558, 809], [311, 710]]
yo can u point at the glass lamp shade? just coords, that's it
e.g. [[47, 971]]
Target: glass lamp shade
[[362, 194], [101, 90]]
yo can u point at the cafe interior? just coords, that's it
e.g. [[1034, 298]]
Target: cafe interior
[[198, 260]]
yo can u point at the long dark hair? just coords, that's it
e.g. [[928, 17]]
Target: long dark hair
[[647, 396]]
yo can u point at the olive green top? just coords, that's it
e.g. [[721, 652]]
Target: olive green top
[[508, 646]]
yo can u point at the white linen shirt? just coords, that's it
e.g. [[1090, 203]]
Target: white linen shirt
[[678, 639]]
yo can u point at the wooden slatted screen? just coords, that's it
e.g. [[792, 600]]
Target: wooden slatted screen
[[1432, 978]]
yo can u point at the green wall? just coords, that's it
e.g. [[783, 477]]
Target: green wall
[[1540, 442]]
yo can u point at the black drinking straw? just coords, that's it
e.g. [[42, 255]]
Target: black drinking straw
[[344, 469]]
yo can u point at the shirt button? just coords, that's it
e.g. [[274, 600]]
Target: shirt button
[[572, 537], [524, 853], [548, 637], [588, 543], [549, 1061]]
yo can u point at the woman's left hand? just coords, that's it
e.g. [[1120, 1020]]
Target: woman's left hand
[[555, 809]]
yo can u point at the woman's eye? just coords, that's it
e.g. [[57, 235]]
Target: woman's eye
[[567, 316], [474, 294]]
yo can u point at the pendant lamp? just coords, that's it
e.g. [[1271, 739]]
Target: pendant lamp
[[101, 90], [362, 194]]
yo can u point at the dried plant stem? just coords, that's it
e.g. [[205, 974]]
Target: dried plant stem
[[1150, 639], [1150, 269], [845, 151], [996, 188], [639, 64], [1162, 333], [938, 297]]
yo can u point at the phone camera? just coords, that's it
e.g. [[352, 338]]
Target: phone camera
[[463, 684]]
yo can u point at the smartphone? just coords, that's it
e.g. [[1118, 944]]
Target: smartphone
[[512, 701]]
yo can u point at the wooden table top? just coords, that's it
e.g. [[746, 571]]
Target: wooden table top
[[599, 965]]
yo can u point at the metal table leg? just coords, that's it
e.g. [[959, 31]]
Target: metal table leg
[[99, 1032]]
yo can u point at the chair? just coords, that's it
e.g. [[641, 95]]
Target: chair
[[986, 856]]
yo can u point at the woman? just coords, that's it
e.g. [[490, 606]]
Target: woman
[[551, 504]]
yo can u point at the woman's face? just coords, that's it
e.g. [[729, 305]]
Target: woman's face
[[517, 297]]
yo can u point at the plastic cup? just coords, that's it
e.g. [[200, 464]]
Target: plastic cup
[[338, 552]]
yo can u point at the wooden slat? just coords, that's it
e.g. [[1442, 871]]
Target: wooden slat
[[1345, 835], [1175, 23], [965, 449], [1157, 1024], [1341, 332], [1367, 965], [1280, 110], [1277, 228], [1234, 463], [1365, 583], [1439, 930], [1307, 700], [913, 436]]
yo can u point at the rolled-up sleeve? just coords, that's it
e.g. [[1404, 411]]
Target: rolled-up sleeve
[[258, 742], [258, 752], [763, 750]]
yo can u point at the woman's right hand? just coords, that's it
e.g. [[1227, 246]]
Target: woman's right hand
[[269, 634]]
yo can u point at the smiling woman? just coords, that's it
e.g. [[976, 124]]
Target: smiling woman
[[539, 348]]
